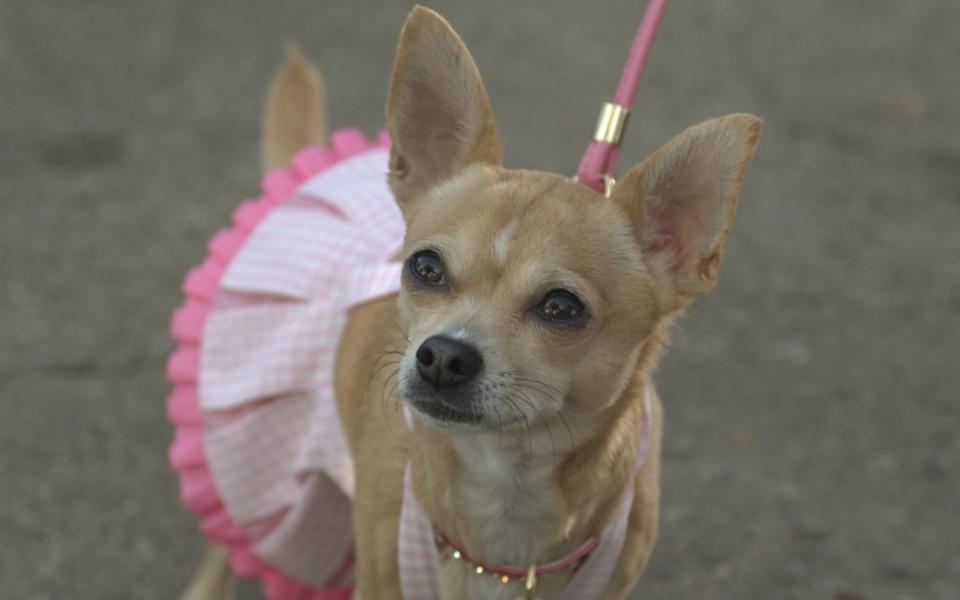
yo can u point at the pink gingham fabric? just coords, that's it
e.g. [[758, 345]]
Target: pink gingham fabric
[[259, 448], [273, 437]]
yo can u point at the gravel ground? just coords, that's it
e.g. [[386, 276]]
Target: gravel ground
[[811, 445]]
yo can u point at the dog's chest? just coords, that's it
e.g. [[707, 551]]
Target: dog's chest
[[511, 507]]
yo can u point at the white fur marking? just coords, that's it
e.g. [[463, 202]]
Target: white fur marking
[[502, 244], [460, 333]]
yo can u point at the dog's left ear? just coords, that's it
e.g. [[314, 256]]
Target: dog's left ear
[[438, 112], [682, 200]]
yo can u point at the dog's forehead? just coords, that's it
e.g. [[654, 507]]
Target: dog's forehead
[[495, 220]]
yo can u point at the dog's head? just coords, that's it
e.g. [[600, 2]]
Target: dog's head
[[526, 295]]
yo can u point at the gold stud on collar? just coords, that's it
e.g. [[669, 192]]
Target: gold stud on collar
[[529, 580], [529, 583]]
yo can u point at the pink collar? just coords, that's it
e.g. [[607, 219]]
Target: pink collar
[[597, 557], [515, 572]]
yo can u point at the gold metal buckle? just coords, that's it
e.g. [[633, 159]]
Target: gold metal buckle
[[611, 123]]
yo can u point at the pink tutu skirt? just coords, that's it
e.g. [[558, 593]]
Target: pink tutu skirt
[[259, 450]]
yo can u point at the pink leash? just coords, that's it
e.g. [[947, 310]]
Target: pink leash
[[599, 163]]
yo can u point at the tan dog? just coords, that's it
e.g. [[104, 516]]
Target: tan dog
[[531, 315]]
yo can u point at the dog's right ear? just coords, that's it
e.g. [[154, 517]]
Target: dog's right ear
[[438, 112]]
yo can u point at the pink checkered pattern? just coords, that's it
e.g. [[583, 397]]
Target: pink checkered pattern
[[417, 551], [272, 435]]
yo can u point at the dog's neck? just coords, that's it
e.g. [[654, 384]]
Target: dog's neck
[[522, 498]]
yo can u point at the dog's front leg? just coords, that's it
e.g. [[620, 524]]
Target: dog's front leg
[[378, 575], [376, 523], [214, 580]]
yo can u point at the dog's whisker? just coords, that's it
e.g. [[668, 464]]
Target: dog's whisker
[[383, 391], [383, 405], [538, 382], [378, 354], [378, 367], [523, 397], [390, 363], [398, 402], [563, 418], [532, 384], [381, 356], [402, 332], [526, 424]]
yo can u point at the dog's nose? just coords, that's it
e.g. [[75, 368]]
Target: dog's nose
[[445, 362]]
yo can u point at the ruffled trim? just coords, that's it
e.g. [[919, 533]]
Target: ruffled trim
[[187, 457]]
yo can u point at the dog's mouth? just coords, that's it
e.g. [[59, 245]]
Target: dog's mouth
[[479, 405], [443, 411], [466, 415]]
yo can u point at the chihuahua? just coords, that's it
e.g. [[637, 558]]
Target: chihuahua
[[530, 316]]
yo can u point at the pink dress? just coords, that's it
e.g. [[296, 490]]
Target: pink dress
[[259, 448]]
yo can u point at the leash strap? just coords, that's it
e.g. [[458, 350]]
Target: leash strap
[[599, 163]]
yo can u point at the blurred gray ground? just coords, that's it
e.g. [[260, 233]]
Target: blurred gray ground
[[811, 445]]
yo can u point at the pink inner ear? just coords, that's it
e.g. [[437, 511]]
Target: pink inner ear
[[680, 233], [661, 244], [688, 193]]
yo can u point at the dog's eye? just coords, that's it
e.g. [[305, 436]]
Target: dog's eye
[[427, 268], [561, 307]]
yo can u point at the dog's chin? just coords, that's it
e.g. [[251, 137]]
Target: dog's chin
[[466, 409], [440, 414]]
